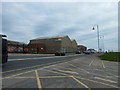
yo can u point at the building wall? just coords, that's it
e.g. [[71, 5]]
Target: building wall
[[66, 45], [74, 45], [14, 46], [37, 47], [50, 45], [54, 44]]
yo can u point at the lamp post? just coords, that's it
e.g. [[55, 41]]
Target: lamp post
[[102, 42], [97, 34]]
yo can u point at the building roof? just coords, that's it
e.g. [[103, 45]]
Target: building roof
[[15, 42], [49, 37], [81, 45]]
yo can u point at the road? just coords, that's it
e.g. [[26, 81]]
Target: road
[[70, 71]]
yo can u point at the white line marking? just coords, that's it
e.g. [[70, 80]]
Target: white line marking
[[91, 62], [103, 64], [105, 79], [67, 71]]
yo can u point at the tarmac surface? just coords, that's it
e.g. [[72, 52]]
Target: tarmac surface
[[82, 72]]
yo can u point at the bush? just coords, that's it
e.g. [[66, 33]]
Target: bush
[[111, 56]]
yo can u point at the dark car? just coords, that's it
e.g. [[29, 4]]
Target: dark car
[[59, 53], [4, 49], [87, 52], [78, 52]]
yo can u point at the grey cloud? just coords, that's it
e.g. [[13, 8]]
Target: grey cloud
[[49, 19]]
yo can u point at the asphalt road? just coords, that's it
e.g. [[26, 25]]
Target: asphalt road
[[24, 61], [71, 71]]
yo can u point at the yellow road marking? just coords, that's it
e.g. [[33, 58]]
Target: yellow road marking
[[94, 73], [17, 74], [105, 80], [42, 77], [29, 71], [57, 72], [80, 82], [53, 76], [38, 80], [79, 68], [98, 82], [32, 67], [25, 72], [32, 71]]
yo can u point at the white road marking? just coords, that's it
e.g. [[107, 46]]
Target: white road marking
[[40, 58], [91, 62], [67, 71], [103, 64], [105, 79]]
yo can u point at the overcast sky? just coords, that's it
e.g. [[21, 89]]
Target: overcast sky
[[25, 21]]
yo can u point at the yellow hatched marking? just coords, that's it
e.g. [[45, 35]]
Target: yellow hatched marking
[[32, 71], [90, 72], [94, 73], [31, 67], [79, 68], [80, 82], [17, 74], [38, 80], [98, 82], [27, 72], [56, 72]]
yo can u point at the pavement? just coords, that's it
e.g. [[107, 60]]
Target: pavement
[[84, 72]]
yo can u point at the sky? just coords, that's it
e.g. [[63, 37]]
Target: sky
[[24, 21]]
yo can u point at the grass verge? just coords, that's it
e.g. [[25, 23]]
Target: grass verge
[[111, 56]]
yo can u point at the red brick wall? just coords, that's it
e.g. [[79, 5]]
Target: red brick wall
[[82, 48]]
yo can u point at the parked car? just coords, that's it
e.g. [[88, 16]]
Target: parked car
[[87, 52], [78, 52], [59, 53]]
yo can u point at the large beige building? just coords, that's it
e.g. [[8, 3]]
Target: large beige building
[[53, 44]]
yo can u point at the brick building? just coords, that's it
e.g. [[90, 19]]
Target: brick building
[[53, 44], [82, 48], [14, 46]]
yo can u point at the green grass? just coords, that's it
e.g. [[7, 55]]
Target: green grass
[[111, 56]]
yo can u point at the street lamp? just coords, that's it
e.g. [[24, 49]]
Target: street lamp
[[97, 34], [102, 37]]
